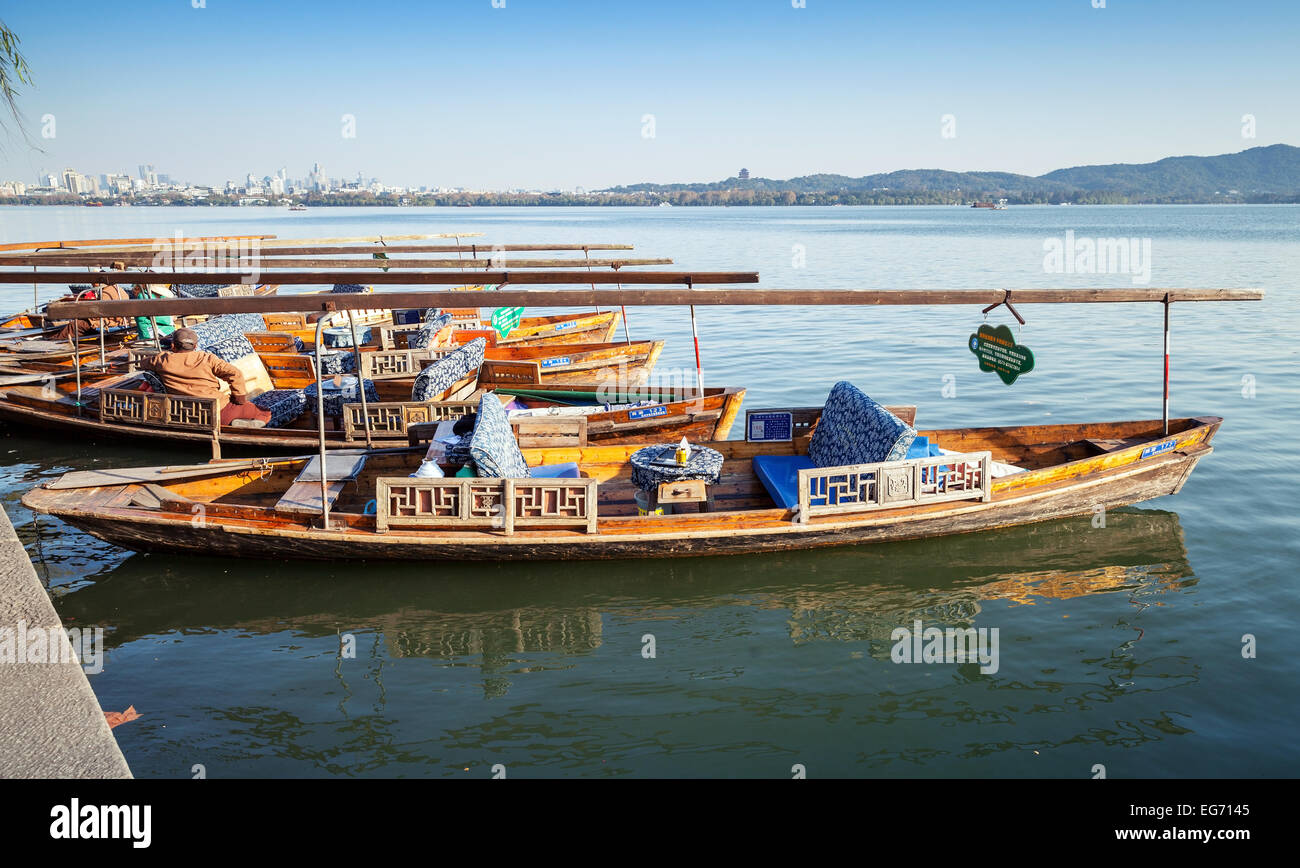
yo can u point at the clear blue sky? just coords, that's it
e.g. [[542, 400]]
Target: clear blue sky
[[552, 94]]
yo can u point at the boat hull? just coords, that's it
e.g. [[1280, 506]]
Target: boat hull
[[1075, 489], [712, 421]]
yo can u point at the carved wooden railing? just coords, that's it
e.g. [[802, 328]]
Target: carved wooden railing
[[466, 504], [390, 364], [127, 406], [393, 364], [392, 337], [889, 484], [391, 419]]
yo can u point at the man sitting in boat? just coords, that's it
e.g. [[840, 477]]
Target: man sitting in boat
[[143, 324], [76, 328], [186, 370]]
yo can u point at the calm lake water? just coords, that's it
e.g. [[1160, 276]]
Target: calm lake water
[[1119, 646]]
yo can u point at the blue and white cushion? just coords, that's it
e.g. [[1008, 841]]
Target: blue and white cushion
[[493, 446], [448, 371], [336, 398], [347, 287], [196, 290], [341, 336], [227, 326], [856, 430], [337, 362], [285, 405], [433, 323], [231, 349]]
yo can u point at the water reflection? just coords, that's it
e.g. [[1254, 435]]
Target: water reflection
[[495, 612]]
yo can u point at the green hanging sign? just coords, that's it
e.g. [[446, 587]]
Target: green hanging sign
[[997, 350], [505, 319]]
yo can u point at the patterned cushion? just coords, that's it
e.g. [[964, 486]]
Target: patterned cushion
[[335, 399], [285, 405], [226, 326], [196, 290], [231, 349], [341, 336], [449, 370], [856, 430], [433, 323], [493, 446], [337, 362], [347, 287]]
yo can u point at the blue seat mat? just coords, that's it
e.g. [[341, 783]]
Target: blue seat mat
[[780, 473], [567, 470], [922, 448], [780, 476]]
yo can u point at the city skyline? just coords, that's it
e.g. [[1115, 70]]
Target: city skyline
[[525, 97]]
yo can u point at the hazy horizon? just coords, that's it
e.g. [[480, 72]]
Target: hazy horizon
[[556, 95]]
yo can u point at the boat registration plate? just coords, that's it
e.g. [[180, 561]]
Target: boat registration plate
[[1157, 448]]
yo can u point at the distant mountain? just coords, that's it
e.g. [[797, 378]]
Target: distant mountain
[[1263, 173], [1274, 169]]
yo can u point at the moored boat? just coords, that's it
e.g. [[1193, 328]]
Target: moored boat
[[761, 496]]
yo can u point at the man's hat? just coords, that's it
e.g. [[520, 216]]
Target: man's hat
[[185, 339]]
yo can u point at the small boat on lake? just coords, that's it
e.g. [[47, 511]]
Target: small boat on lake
[[761, 496]]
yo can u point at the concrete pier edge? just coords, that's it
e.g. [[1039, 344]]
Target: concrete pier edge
[[51, 724]]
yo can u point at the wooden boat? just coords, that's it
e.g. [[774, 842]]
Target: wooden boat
[[567, 328], [523, 364], [258, 508], [25, 336], [47, 402]]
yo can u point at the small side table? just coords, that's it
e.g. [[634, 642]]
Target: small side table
[[671, 483]]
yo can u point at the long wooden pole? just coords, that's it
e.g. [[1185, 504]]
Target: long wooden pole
[[145, 256], [122, 242], [659, 296], [263, 263]]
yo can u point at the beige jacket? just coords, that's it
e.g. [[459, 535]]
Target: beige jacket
[[198, 374]]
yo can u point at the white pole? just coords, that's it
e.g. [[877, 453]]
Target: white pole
[[699, 373], [1166, 416]]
